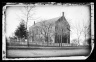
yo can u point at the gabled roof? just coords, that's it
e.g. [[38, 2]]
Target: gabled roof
[[63, 20], [52, 21]]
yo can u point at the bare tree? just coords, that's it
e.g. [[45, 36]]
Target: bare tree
[[47, 31], [28, 13], [76, 29], [80, 28], [86, 30], [44, 29], [28, 16]]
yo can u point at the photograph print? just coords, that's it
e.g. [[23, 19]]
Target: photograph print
[[48, 31]]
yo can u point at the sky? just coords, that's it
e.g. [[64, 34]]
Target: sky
[[75, 15]]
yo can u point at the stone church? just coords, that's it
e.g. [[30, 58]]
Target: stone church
[[58, 33]]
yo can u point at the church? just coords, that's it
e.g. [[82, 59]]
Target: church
[[56, 30]]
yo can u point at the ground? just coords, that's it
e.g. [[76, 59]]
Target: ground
[[47, 51]]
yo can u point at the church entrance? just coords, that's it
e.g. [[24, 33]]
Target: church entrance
[[61, 39]]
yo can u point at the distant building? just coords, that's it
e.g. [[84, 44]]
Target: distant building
[[57, 31]]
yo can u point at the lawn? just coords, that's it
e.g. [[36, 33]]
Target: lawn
[[48, 52], [52, 50]]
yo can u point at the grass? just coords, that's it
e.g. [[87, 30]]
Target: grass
[[45, 52]]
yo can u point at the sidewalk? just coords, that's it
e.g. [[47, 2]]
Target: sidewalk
[[41, 47]]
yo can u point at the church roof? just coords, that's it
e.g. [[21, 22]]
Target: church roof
[[52, 21]]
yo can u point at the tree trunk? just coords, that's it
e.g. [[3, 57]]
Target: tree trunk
[[47, 43], [28, 42], [78, 40], [61, 40], [19, 40], [67, 38], [85, 39], [59, 44]]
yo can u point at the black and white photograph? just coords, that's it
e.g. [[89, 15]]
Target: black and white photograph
[[47, 31]]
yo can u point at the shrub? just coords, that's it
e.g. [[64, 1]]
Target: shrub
[[74, 42]]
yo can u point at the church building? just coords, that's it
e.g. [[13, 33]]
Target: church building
[[60, 28]]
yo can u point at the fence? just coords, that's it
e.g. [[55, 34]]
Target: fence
[[35, 43]]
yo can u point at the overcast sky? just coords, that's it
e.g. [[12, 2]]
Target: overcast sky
[[74, 14]]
